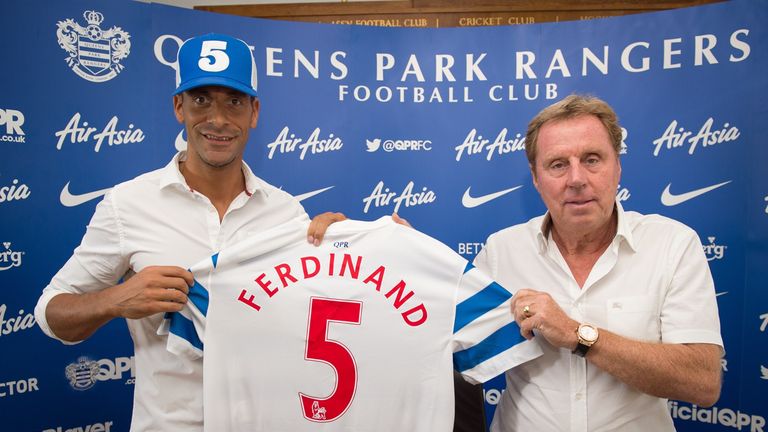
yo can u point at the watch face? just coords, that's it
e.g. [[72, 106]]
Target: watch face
[[588, 333]]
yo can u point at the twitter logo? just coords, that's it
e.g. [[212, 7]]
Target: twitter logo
[[373, 145]]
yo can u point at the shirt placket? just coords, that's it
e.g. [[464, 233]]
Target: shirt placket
[[579, 419], [578, 374], [215, 226], [212, 223], [578, 367]]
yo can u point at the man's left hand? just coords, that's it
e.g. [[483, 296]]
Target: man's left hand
[[320, 224]]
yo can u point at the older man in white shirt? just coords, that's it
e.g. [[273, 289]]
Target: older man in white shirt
[[625, 309]]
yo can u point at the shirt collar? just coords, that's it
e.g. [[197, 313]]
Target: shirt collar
[[172, 176], [623, 231]]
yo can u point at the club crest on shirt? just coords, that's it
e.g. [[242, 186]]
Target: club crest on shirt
[[94, 54]]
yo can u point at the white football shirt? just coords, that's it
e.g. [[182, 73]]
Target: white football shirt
[[358, 334]]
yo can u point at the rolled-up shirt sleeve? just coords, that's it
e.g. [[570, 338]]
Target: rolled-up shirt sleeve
[[97, 263]]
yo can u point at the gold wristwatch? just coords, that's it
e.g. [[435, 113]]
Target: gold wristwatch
[[587, 334]]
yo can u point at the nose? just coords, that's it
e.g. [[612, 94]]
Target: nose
[[576, 176], [217, 114]]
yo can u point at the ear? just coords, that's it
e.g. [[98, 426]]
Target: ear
[[533, 176], [177, 109], [255, 112]]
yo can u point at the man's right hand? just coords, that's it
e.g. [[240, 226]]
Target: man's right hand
[[75, 317], [153, 290]]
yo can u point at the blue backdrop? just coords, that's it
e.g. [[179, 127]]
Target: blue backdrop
[[365, 121]]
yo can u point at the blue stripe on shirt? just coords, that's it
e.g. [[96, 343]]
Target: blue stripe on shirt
[[182, 327], [198, 295], [215, 260], [500, 341], [479, 304]]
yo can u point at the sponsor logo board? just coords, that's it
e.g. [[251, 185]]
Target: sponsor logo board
[[400, 145], [382, 196], [84, 373], [670, 199], [93, 427], [676, 136], [11, 324], [10, 258], [288, 142], [18, 387], [717, 416], [16, 191], [11, 121], [468, 201], [77, 132]]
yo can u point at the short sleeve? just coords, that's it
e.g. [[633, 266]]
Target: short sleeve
[[483, 259], [689, 313]]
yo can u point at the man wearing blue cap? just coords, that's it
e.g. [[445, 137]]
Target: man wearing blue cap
[[147, 230]]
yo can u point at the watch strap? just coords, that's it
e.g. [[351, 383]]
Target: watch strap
[[581, 350]]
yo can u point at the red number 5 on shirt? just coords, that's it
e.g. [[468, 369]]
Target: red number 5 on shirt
[[323, 311]]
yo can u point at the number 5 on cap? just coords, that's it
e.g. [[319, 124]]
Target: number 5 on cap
[[217, 50], [319, 348]]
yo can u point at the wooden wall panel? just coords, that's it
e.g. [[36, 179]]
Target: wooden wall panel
[[446, 13]]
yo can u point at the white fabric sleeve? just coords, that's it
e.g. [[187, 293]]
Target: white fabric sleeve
[[483, 260], [487, 341], [689, 313], [97, 263]]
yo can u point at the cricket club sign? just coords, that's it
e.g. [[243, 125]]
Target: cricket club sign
[[94, 54]]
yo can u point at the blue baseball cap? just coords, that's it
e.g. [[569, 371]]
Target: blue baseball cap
[[218, 60]]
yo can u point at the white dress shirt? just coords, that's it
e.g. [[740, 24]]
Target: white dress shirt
[[651, 284], [157, 220]]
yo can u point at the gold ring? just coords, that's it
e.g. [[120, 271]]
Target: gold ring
[[527, 311]]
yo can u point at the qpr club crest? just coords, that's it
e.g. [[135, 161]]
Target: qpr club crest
[[82, 375], [94, 54]]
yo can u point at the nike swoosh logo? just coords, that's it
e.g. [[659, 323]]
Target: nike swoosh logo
[[721, 293], [469, 201], [669, 199], [304, 196], [180, 143], [69, 200]]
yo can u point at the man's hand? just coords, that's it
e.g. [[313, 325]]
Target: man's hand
[[150, 291], [75, 317], [320, 224], [689, 372], [545, 316]]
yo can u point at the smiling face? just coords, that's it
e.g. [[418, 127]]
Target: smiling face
[[577, 172], [217, 121]]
